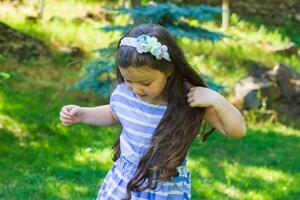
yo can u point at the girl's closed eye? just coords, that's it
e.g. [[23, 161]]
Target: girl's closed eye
[[146, 84]]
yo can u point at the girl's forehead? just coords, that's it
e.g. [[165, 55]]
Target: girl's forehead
[[139, 73]]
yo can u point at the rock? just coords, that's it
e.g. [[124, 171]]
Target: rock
[[288, 81], [277, 90], [257, 70], [249, 91], [252, 100], [290, 49]]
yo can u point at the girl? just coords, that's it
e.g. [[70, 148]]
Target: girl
[[160, 102]]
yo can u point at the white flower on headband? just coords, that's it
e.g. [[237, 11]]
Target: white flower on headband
[[145, 43]]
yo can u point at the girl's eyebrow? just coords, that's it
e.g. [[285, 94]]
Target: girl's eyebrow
[[145, 80], [140, 80]]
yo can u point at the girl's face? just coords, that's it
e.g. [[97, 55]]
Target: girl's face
[[146, 83]]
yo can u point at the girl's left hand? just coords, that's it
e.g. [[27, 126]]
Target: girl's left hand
[[202, 97]]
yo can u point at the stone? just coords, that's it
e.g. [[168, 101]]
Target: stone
[[288, 80], [257, 69], [252, 101], [290, 49], [248, 91]]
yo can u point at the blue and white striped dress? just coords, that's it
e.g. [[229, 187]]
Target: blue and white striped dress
[[139, 120]]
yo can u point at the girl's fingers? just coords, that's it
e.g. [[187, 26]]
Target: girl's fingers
[[75, 111], [189, 94], [191, 99], [193, 104], [66, 124], [62, 114], [65, 115], [65, 120], [68, 108]]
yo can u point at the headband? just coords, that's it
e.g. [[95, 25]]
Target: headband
[[145, 43]]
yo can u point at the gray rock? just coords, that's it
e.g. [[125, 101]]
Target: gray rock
[[288, 80]]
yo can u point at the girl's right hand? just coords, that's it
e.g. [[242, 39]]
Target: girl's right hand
[[71, 114]]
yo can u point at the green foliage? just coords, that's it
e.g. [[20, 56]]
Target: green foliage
[[99, 73], [174, 18]]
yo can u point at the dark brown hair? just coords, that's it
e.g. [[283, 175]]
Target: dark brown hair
[[180, 124]]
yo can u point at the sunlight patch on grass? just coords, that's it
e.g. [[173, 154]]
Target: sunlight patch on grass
[[236, 180], [60, 27], [13, 126], [266, 174], [250, 195], [1, 101], [277, 127], [263, 173], [101, 158], [81, 189], [197, 166], [230, 191], [65, 189]]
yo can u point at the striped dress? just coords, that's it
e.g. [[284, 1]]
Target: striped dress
[[139, 120]]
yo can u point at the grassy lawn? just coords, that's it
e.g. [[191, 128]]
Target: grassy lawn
[[42, 159]]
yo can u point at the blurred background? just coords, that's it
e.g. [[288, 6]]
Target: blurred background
[[55, 52]]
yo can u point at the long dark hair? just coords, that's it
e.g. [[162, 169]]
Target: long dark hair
[[180, 124]]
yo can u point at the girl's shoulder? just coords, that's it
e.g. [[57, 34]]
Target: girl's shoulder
[[120, 88]]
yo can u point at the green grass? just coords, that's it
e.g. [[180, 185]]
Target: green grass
[[42, 159], [263, 165]]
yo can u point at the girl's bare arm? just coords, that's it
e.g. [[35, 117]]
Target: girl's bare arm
[[220, 113], [100, 116]]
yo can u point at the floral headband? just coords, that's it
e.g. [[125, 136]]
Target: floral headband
[[145, 43]]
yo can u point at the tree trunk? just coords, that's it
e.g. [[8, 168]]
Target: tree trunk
[[225, 14], [42, 6]]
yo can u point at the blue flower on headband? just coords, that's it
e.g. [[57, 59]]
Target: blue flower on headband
[[145, 43]]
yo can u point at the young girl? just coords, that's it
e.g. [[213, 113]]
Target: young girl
[[160, 102]]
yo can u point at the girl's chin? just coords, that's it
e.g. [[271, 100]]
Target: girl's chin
[[144, 98]]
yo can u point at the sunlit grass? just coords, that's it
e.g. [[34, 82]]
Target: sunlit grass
[[227, 60], [101, 158], [61, 27]]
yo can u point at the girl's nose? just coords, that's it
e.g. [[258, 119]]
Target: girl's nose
[[137, 90]]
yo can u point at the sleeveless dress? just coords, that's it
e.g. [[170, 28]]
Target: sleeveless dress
[[139, 120]]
